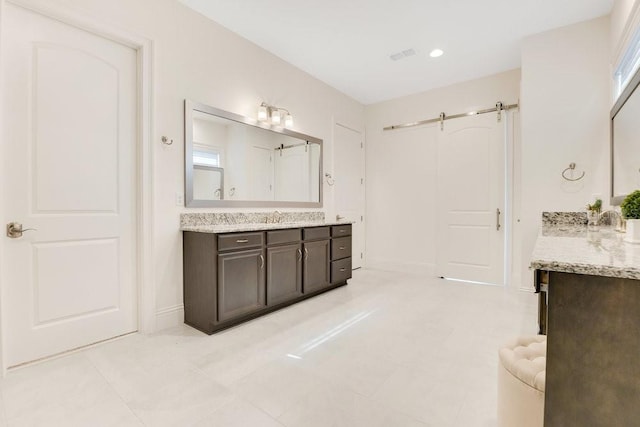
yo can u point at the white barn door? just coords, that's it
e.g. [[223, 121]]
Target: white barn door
[[69, 172], [471, 199]]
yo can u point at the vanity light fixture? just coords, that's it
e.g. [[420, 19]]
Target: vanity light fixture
[[274, 115], [436, 53]]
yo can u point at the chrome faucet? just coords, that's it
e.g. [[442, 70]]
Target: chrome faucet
[[277, 215], [613, 217], [274, 217]]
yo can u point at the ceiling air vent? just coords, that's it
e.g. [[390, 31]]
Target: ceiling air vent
[[402, 54]]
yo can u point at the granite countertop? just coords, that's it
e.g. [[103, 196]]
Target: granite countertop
[[578, 249], [233, 228]]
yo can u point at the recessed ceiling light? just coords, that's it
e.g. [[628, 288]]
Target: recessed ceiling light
[[436, 53]]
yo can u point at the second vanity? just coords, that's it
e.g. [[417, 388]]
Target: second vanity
[[593, 325], [236, 272]]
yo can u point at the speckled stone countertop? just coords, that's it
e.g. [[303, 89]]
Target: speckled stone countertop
[[234, 228], [578, 249], [234, 222]]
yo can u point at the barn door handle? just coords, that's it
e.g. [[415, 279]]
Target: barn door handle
[[498, 219]]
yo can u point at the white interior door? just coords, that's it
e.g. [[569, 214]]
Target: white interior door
[[69, 141], [261, 173], [471, 199], [348, 174], [292, 174]]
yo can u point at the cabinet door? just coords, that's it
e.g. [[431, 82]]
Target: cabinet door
[[316, 265], [241, 283], [284, 273]]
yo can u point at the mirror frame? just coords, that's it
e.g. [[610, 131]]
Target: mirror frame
[[190, 202], [622, 99]]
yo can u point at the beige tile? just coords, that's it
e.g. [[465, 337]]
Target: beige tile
[[390, 349], [182, 402], [429, 396], [238, 413], [64, 391], [337, 407], [277, 386]]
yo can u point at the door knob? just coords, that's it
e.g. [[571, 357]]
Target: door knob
[[15, 230]]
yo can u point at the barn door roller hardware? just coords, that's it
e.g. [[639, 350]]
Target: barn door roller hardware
[[499, 108]]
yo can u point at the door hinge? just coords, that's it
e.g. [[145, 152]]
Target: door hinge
[[361, 181], [361, 144], [361, 255], [361, 218]]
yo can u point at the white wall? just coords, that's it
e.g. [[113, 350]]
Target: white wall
[[622, 14], [401, 169], [196, 59], [565, 106]]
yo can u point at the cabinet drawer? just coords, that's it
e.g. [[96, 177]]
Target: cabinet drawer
[[341, 270], [316, 233], [340, 248], [239, 241], [341, 230], [283, 236]]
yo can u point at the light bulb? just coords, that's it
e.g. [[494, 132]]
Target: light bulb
[[275, 117], [288, 121], [436, 53], [262, 113]]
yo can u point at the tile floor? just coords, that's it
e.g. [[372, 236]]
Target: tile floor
[[388, 350]]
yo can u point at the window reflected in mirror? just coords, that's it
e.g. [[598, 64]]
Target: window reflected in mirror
[[625, 142]]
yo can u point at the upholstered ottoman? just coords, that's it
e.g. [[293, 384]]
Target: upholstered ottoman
[[521, 379]]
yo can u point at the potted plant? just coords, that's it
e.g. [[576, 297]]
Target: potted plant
[[593, 214], [630, 208]]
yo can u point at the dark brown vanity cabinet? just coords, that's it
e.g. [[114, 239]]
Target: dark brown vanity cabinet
[[284, 266], [241, 289], [316, 247], [233, 277], [340, 253]]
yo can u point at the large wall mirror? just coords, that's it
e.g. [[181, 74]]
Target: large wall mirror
[[625, 142], [234, 161]]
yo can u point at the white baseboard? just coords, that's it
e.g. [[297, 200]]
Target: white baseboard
[[427, 269], [169, 317]]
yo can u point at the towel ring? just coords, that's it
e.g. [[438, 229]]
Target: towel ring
[[330, 179], [572, 166]]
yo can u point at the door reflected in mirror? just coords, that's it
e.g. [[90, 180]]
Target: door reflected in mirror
[[231, 160]]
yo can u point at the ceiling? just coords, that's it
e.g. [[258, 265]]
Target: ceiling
[[347, 43]]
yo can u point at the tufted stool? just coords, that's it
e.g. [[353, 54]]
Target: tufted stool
[[521, 379]]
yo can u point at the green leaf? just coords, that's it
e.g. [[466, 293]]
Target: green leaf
[[630, 206]]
